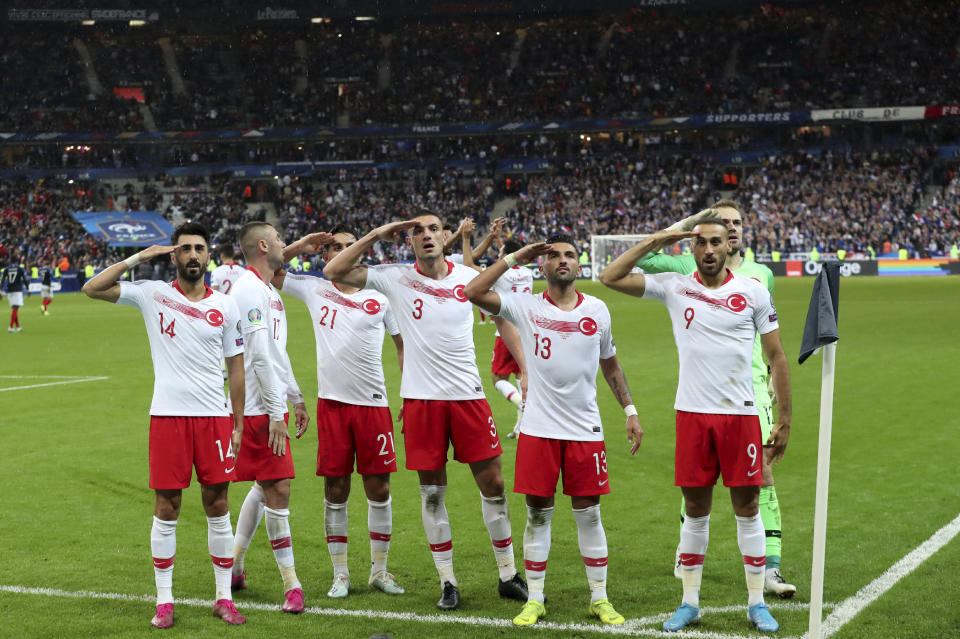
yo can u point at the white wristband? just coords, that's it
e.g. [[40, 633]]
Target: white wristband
[[511, 260], [630, 410], [132, 261]]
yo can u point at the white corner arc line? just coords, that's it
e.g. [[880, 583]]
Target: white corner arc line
[[631, 628], [68, 381], [847, 609]]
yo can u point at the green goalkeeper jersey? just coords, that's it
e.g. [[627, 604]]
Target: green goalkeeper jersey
[[660, 263]]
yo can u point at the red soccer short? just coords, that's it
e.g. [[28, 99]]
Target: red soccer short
[[540, 461], [177, 444], [710, 444], [503, 362], [256, 460], [347, 429], [430, 425]]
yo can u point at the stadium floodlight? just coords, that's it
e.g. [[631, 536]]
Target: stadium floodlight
[[137, 23], [320, 20], [88, 23], [364, 18]]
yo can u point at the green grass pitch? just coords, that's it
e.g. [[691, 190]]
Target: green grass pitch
[[76, 510]]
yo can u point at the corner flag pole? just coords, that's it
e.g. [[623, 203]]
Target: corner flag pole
[[820, 333], [823, 487]]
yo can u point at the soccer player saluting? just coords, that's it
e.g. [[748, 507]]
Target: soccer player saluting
[[716, 316], [774, 583], [226, 274], [265, 454], [442, 395], [353, 418], [191, 329], [14, 277], [565, 336], [507, 351]]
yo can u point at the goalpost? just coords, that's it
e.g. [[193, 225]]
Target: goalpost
[[606, 248]]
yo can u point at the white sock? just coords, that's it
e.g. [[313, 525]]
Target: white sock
[[436, 523], [247, 522], [593, 549], [163, 547], [694, 537], [752, 540], [335, 525], [278, 530], [496, 517], [536, 549], [380, 526], [509, 391], [220, 543]]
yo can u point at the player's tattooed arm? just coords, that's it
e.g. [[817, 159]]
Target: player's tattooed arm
[[617, 381], [104, 286]]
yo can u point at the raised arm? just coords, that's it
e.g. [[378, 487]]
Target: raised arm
[[618, 275], [493, 235], [104, 285], [344, 268], [479, 290], [617, 381], [466, 237], [776, 445]]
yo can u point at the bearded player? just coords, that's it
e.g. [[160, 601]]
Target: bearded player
[[191, 329], [716, 317]]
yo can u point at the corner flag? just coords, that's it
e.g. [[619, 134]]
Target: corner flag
[[821, 326], [820, 331]]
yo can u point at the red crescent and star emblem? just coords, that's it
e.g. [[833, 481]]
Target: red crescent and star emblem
[[370, 307], [736, 302], [214, 317], [587, 326], [459, 294]]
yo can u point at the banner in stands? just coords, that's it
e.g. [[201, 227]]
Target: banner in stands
[[103, 14], [807, 268], [874, 114], [133, 228]]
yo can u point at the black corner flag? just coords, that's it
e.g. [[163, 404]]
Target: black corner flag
[[821, 326]]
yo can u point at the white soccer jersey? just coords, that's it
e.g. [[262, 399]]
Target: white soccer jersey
[[517, 279], [261, 309], [349, 334], [436, 320], [456, 258], [714, 330], [188, 340], [563, 350], [225, 276]]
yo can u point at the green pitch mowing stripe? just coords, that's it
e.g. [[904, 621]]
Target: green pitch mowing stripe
[[633, 627]]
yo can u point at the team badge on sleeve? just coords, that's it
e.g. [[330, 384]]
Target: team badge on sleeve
[[254, 316]]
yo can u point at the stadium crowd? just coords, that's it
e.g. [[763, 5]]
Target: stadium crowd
[[484, 69]]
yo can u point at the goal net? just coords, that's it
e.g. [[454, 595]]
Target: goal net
[[606, 248]]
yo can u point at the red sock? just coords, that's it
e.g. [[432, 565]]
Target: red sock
[[46, 302], [13, 318]]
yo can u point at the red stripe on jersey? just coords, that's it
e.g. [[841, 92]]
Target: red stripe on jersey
[[442, 547], [440, 293], [535, 566], [555, 325], [283, 542], [190, 311], [595, 562], [687, 559], [335, 297], [502, 543], [336, 539], [223, 562], [754, 561], [163, 563], [375, 536]]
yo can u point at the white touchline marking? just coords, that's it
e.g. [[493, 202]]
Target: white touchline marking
[[633, 627], [847, 609], [69, 381], [44, 376]]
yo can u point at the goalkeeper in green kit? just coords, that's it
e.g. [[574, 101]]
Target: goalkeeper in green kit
[[774, 584]]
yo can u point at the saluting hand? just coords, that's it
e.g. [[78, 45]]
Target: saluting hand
[[532, 251]]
